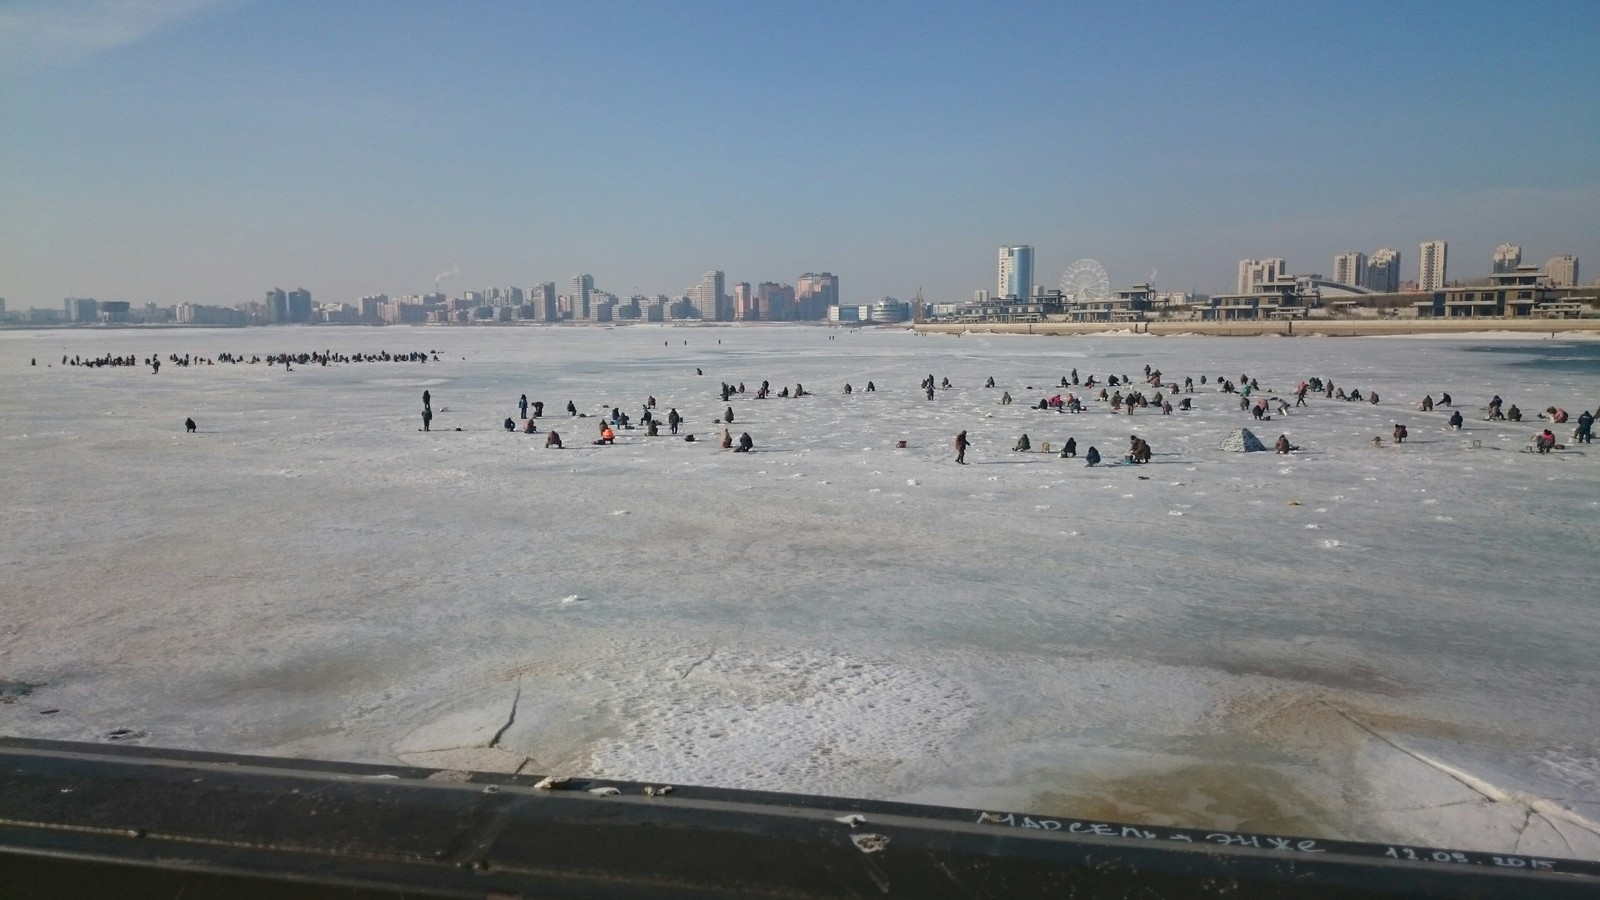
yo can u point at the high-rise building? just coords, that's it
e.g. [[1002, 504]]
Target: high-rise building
[[1383, 271], [1253, 273], [1350, 267], [980, 296], [299, 302], [744, 302], [1016, 272], [706, 297], [81, 309], [1506, 258], [1431, 265], [1563, 270], [543, 299], [582, 288], [277, 306], [814, 294], [775, 302]]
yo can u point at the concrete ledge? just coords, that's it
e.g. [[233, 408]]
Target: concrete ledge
[[1301, 328]]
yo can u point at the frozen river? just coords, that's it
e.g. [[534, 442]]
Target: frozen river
[[1379, 643]]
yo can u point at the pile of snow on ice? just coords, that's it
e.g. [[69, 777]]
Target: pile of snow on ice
[[1242, 441]]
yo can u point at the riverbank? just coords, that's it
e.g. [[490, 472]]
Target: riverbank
[[1322, 327]]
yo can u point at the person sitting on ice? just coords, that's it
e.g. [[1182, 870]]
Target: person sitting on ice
[[1373, 398], [727, 439], [1513, 414], [1455, 420], [1427, 404], [1400, 433], [607, 436], [1070, 448], [1444, 399], [1022, 445], [510, 425], [990, 382], [871, 388], [1545, 441], [847, 387], [745, 443], [1558, 416], [1355, 395], [553, 440], [529, 428], [1092, 458], [652, 428], [188, 426], [1282, 445], [1005, 398]]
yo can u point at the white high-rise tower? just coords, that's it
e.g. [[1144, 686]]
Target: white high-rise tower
[[1350, 267], [1431, 265]]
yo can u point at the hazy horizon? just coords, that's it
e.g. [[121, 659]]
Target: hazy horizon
[[207, 150]]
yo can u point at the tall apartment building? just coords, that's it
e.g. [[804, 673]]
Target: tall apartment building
[[277, 303], [1431, 265], [1506, 258], [1255, 272], [775, 302], [299, 303], [1563, 270], [1383, 271], [744, 302], [1350, 267], [706, 297], [582, 288], [543, 299], [1015, 272], [814, 294], [81, 309]]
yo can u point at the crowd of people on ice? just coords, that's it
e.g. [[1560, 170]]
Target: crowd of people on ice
[[287, 360]]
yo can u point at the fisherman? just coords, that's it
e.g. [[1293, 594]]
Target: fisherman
[[1282, 446], [1022, 445], [1444, 399], [1400, 433], [1005, 398], [673, 420], [607, 436], [572, 408], [1184, 404], [1494, 407], [990, 382], [727, 415], [1585, 431], [727, 439], [522, 406], [1455, 420], [847, 387], [745, 443], [510, 425], [530, 428], [1069, 450], [188, 425], [1513, 414], [1092, 458], [1427, 404], [427, 418], [553, 440], [961, 448], [1546, 441], [930, 393], [871, 388], [538, 408], [427, 400]]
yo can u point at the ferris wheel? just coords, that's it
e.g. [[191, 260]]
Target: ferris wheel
[[1085, 281]]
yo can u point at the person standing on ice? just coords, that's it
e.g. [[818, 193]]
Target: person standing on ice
[[961, 448], [427, 418], [427, 400], [674, 420], [522, 406], [1584, 434]]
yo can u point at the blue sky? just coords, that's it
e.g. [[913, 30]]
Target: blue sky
[[206, 151]]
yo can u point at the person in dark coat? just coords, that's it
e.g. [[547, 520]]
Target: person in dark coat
[[1022, 445], [553, 439], [427, 400], [522, 406], [1400, 433], [538, 408], [1585, 431], [572, 408], [188, 425], [1092, 457], [510, 425], [961, 448], [1070, 449], [871, 388], [745, 443], [727, 415], [427, 418], [1455, 420], [1283, 445], [673, 420]]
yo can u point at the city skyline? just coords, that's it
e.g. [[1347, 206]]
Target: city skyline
[[187, 151]]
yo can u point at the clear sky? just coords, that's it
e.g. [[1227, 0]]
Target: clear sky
[[190, 150]]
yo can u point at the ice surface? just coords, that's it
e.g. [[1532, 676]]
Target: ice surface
[[1377, 642]]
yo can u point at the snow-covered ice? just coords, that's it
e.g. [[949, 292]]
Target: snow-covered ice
[[1379, 643]]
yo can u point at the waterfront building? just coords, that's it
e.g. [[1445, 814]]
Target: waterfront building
[[1350, 267], [1015, 272], [1383, 271], [1506, 258], [1253, 273], [1562, 270], [1431, 265], [813, 295]]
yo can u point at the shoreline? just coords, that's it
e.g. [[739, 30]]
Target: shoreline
[[1304, 328]]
